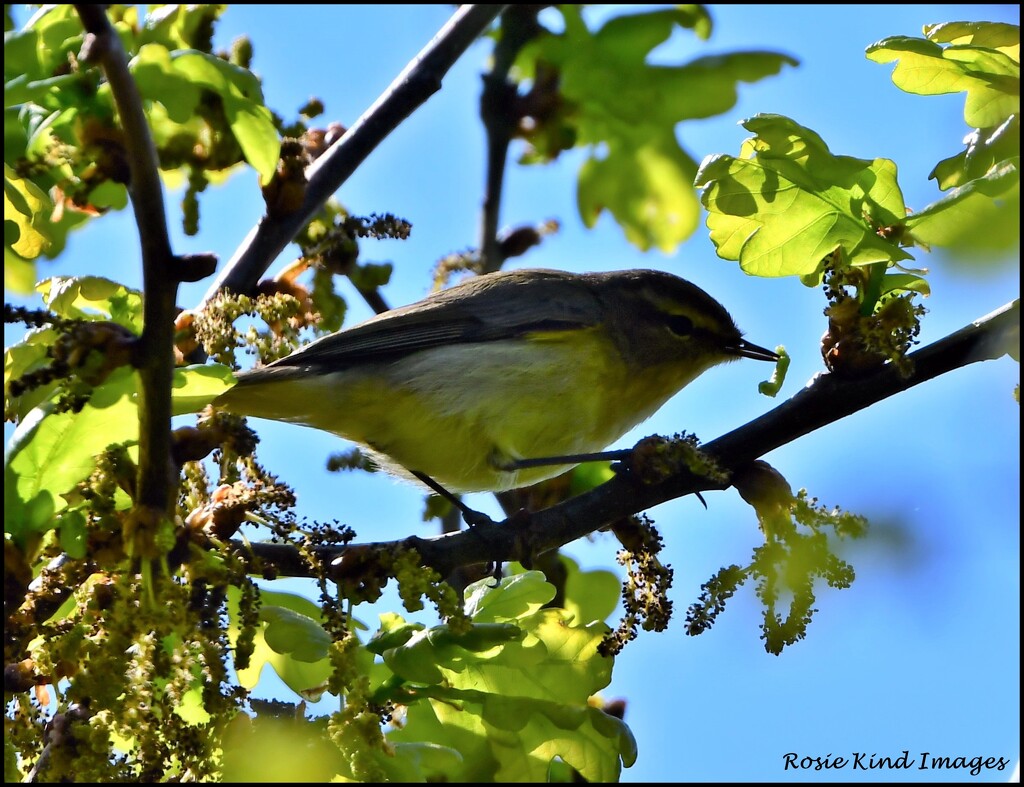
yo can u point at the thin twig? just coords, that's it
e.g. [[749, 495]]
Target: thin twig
[[420, 79], [373, 298], [498, 112], [155, 356], [828, 399]]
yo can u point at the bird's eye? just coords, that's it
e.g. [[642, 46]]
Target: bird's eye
[[679, 324]]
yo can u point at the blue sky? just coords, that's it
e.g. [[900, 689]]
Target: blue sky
[[923, 653]]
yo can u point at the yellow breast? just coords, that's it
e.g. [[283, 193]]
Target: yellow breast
[[458, 413]]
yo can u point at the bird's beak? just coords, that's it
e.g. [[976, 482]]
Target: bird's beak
[[747, 350]]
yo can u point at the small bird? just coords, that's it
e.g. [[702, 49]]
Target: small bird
[[475, 387]]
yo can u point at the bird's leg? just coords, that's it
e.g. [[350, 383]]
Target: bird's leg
[[574, 459], [569, 459], [471, 517]]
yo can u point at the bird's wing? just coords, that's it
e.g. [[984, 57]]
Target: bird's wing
[[485, 309]]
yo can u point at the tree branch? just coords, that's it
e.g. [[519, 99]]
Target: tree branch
[[417, 82], [373, 297], [155, 356], [499, 114], [825, 400]]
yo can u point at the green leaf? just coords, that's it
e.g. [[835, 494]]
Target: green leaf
[[394, 631], [181, 26], [176, 80], [590, 596], [589, 475], [421, 762], [191, 709], [46, 128], [22, 89], [93, 298], [253, 126], [291, 633], [49, 453], [293, 602], [993, 35], [519, 697], [196, 386], [631, 35], [415, 659], [614, 100], [512, 709], [19, 273], [904, 282], [158, 80], [38, 50], [265, 750], [985, 149], [109, 195], [479, 637], [70, 219], [27, 210], [513, 598], [982, 214], [73, 536], [220, 76], [60, 32], [990, 77], [789, 202], [709, 85], [250, 121], [295, 620], [27, 355], [21, 62], [647, 188]]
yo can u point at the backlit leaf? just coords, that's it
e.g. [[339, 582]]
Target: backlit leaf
[[788, 202], [989, 76]]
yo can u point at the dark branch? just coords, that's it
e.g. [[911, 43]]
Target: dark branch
[[420, 79], [826, 400], [498, 111], [155, 356], [373, 298]]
